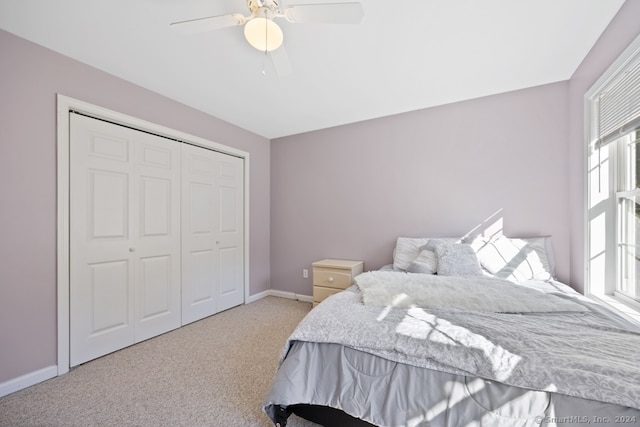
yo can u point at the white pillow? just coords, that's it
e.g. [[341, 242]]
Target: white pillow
[[455, 259], [408, 248], [515, 259]]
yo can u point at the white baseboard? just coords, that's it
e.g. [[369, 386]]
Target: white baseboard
[[280, 294], [27, 380], [259, 295], [291, 295], [44, 374]]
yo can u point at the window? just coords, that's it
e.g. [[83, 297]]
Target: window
[[612, 111], [628, 215]]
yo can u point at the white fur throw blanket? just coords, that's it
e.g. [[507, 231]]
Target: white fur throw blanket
[[399, 289]]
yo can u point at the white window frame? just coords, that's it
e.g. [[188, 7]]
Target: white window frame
[[601, 252], [623, 191]]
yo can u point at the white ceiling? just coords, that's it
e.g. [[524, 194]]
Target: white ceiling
[[405, 55]]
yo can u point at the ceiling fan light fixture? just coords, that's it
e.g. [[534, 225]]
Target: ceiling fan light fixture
[[263, 34]]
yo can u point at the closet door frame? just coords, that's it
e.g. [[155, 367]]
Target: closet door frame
[[65, 105]]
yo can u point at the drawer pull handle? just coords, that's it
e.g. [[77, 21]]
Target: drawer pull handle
[[330, 279]]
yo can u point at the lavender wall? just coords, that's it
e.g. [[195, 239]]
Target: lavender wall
[[350, 191], [622, 30], [345, 192], [30, 77]]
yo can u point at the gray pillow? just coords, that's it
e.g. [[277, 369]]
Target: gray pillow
[[425, 263], [455, 259], [419, 267]]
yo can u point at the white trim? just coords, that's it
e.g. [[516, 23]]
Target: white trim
[[27, 380], [247, 288], [62, 252], [630, 54], [291, 295], [586, 152], [626, 300], [280, 294], [35, 377], [627, 309], [305, 298], [66, 104], [258, 296]]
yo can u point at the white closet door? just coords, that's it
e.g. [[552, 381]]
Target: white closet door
[[230, 231], [124, 237], [212, 232], [157, 242]]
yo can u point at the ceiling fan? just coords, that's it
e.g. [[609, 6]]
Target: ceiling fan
[[264, 34]]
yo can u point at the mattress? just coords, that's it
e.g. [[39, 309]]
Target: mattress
[[386, 393], [399, 377]]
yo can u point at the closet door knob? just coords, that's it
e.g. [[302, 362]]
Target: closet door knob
[[132, 249]]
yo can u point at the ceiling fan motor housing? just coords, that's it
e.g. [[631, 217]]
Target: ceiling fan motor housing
[[260, 27], [255, 7]]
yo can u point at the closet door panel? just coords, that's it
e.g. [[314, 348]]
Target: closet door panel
[[199, 244], [108, 206], [212, 245], [156, 207], [200, 209], [230, 231], [101, 270], [124, 237], [157, 244], [106, 311], [109, 288], [155, 294], [230, 280], [201, 278]]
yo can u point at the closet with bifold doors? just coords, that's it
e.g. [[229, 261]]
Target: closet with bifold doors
[[212, 232], [156, 235]]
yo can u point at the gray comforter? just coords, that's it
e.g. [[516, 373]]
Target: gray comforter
[[585, 354]]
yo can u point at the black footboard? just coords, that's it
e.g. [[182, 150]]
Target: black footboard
[[327, 416], [280, 415]]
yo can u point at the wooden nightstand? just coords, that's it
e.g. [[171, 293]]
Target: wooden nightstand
[[331, 276]]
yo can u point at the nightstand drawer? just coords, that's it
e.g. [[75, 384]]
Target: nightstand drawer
[[320, 293], [332, 278]]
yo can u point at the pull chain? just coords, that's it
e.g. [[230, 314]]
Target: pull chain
[[266, 35]]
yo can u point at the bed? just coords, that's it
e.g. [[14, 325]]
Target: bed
[[460, 334]]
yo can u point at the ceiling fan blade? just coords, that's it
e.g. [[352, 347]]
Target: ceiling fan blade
[[281, 63], [329, 13], [210, 23]]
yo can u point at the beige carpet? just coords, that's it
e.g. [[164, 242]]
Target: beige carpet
[[214, 372]]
